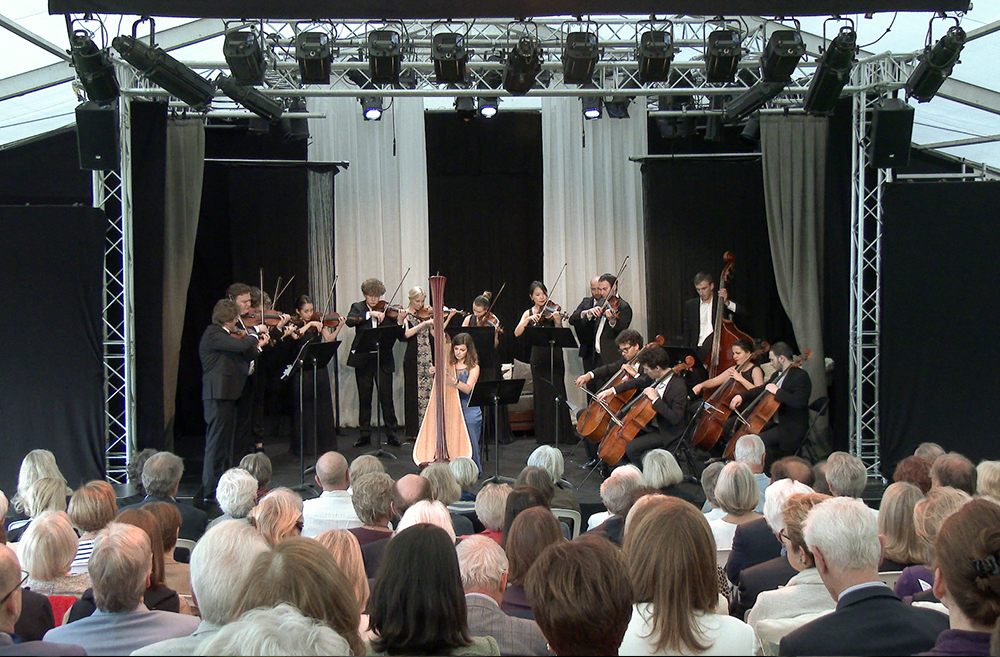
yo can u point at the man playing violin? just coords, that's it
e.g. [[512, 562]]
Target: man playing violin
[[699, 314], [607, 318], [791, 387], [364, 316], [586, 329], [667, 391]]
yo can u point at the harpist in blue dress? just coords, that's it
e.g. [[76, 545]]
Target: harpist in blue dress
[[473, 417]]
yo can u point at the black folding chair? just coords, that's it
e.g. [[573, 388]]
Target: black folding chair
[[819, 406]]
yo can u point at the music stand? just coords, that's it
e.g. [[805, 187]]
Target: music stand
[[376, 339], [494, 393], [312, 356], [552, 337]]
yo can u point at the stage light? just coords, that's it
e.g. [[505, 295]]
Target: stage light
[[523, 64], [579, 57], [617, 108], [781, 55], [465, 107], [722, 55], [384, 56], [165, 71], [935, 65], [244, 56], [250, 98], [751, 100], [94, 69], [656, 51], [591, 107], [832, 73], [488, 106], [371, 108], [298, 128], [450, 57], [312, 52]]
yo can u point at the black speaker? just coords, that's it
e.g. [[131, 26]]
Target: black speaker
[[891, 133], [97, 137]]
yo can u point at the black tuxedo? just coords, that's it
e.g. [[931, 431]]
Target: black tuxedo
[[767, 576], [788, 427], [365, 363], [869, 621], [753, 543], [586, 332], [692, 323], [670, 416], [225, 364]]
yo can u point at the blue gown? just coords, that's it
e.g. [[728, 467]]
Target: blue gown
[[473, 418]]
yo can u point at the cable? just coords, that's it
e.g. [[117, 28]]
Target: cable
[[893, 22], [44, 118]]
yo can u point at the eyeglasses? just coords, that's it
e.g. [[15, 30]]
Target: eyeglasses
[[19, 585], [624, 350], [782, 536]]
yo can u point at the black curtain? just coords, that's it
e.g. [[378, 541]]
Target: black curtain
[[939, 273], [52, 381], [484, 198], [44, 172]]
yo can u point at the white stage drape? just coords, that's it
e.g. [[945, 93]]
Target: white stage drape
[[380, 210], [593, 208]]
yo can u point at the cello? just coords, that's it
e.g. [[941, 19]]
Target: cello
[[640, 412], [443, 434], [593, 423], [725, 333], [762, 409], [716, 408]]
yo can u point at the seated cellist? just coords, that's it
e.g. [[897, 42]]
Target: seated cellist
[[749, 375], [669, 396]]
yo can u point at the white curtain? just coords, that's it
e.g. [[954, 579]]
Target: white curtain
[[593, 207], [380, 210]]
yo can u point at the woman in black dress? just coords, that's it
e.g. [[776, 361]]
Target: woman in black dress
[[310, 328], [489, 363]]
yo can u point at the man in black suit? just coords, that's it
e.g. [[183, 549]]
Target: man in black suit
[[699, 314], [161, 477], [585, 328], [225, 365], [870, 619], [362, 317], [791, 387], [605, 322]]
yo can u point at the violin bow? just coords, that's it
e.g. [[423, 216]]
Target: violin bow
[[618, 277], [275, 301], [329, 299], [495, 298], [396, 291], [558, 278], [603, 405]]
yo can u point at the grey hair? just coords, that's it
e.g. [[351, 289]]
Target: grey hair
[[36, 464], [4, 505], [161, 474], [550, 459], [219, 564], [444, 486], [775, 497], [846, 532], [236, 492], [929, 451], [491, 504], [372, 497], [616, 491], [466, 472], [119, 564], [750, 449], [737, 491], [48, 546], [364, 464], [482, 563], [709, 478], [259, 465], [988, 478], [281, 630], [846, 474], [660, 469], [428, 512]]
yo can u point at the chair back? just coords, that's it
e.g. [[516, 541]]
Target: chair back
[[183, 550], [570, 514], [890, 578], [60, 605], [722, 557]]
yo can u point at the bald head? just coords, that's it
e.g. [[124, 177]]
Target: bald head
[[10, 575], [793, 467], [409, 490], [331, 472]]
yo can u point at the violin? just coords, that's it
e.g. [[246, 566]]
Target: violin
[[391, 311], [552, 308], [489, 319], [427, 312]]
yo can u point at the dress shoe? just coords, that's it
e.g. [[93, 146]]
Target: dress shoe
[[590, 465], [392, 440], [362, 441]]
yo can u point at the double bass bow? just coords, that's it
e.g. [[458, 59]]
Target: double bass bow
[[725, 332], [716, 408]]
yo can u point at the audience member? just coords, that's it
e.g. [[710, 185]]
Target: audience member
[[282, 630], [869, 619], [236, 494], [36, 464], [550, 459], [534, 477], [819, 473], [914, 470], [709, 478], [3, 518], [409, 490], [430, 513], [793, 467], [954, 470], [120, 568], [277, 516], [581, 596], [738, 494], [136, 462], [929, 451], [804, 597], [445, 489], [303, 573], [661, 471], [36, 617], [91, 508], [617, 494], [372, 500], [519, 499], [846, 475], [161, 476], [365, 464], [176, 575], [988, 479], [220, 563], [532, 531], [671, 558], [484, 569], [45, 494], [47, 551], [491, 504], [895, 524], [928, 515], [344, 547], [466, 474], [417, 604], [259, 465], [750, 450], [967, 578], [333, 509]]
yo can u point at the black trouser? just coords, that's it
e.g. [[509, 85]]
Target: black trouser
[[220, 415], [365, 377]]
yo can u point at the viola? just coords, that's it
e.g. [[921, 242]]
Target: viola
[[716, 409]]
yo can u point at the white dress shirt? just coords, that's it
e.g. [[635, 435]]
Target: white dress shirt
[[331, 510]]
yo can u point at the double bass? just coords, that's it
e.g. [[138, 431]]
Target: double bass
[[725, 332], [762, 409], [716, 408], [443, 435]]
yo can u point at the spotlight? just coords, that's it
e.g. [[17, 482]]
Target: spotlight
[[94, 68], [450, 57], [465, 107], [244, 56], [250, 98], [752, 100], [618, 107], [165, 71], [722, 56], [781, 55], [312, 52], [384, 56], [579, 57], [935, 65], [488, 106], [832, 74], [298, 128], [371, 107], [523, 64], [656, 51], [591, 107]]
